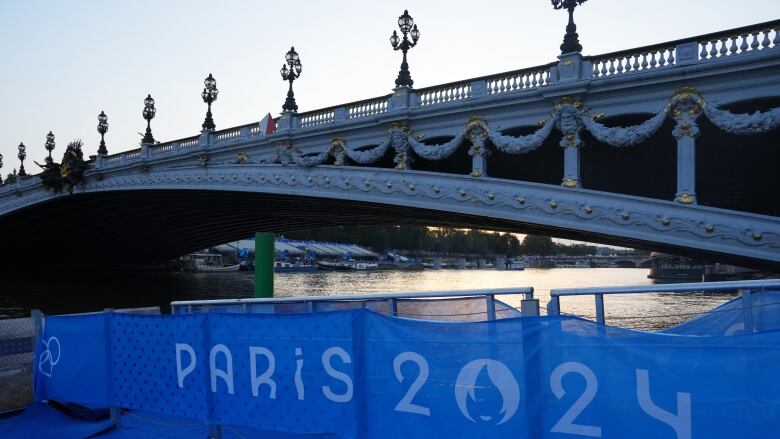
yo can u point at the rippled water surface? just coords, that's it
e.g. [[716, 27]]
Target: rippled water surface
[[66, 294]]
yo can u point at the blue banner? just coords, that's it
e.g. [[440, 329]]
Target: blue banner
[[361, 374]]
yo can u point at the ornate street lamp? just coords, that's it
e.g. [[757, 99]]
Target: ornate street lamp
[[102, 128], [22, 155], [291, 74], [1, 167], [149, 112], [209, 95], [50, 143], [571, 42], [407, 26]]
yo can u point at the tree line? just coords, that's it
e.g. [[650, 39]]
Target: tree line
[[419, 240]]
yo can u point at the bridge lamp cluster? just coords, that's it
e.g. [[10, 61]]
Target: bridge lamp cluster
[[209, 95], [102, 128], [22, 155], [49, 144], [148, 113], [408, 29], [290, 74]]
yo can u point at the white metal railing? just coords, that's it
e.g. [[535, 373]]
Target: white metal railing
[[745, 287], [529, 305]]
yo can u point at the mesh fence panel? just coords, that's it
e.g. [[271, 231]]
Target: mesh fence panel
[[15, 363]]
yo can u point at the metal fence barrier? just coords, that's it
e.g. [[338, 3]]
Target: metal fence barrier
[[455, 305], [745, 288]]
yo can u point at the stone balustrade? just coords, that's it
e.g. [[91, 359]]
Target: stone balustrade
[[668, 56]]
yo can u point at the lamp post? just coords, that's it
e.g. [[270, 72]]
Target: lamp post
[[407, 26], [102, 128], [149, 112], [22, 155], [1, 167], [209, 95], [291, 74], [571, 42], [49, 143]]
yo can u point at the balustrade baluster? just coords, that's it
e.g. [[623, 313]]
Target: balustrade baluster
[[754, 45], [603, 68], [723, 50], [612, 67], [661, 57], [653, 61], [744, 46], [596, 72], [703, 53], [547, 77], [733, 48], [514, 83], [644, 61], [671, 59], [713, 49], [776, 41], [534, 83], [635, 65], [620, 64], [765, 41], [527, 80]]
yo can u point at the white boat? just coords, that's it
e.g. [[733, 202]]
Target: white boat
[[206, 263]]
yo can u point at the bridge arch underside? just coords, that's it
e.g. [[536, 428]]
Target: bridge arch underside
[[143, 228]]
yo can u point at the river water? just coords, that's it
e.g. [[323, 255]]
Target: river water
[[71, 294]]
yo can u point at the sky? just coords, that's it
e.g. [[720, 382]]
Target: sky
[[65, 61]]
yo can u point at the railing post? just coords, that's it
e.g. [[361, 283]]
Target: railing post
[[687, 53], [401, 98], [393, 307], [175, 148], [747, 310], [205, 139], [340, 114], [243, 133], [554, 305], [37, 320], [144, 154], [490, 304], [599, 307], [529, 308], [478, 89], [570, 67]]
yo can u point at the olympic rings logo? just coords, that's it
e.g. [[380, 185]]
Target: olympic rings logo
[[50, 356]]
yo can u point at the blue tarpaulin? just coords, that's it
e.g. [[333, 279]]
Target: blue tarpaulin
[[361, 374]]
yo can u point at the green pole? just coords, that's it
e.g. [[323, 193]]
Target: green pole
[[264, 264]]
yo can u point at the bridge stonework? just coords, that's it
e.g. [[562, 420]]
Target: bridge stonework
[[342, 153]]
